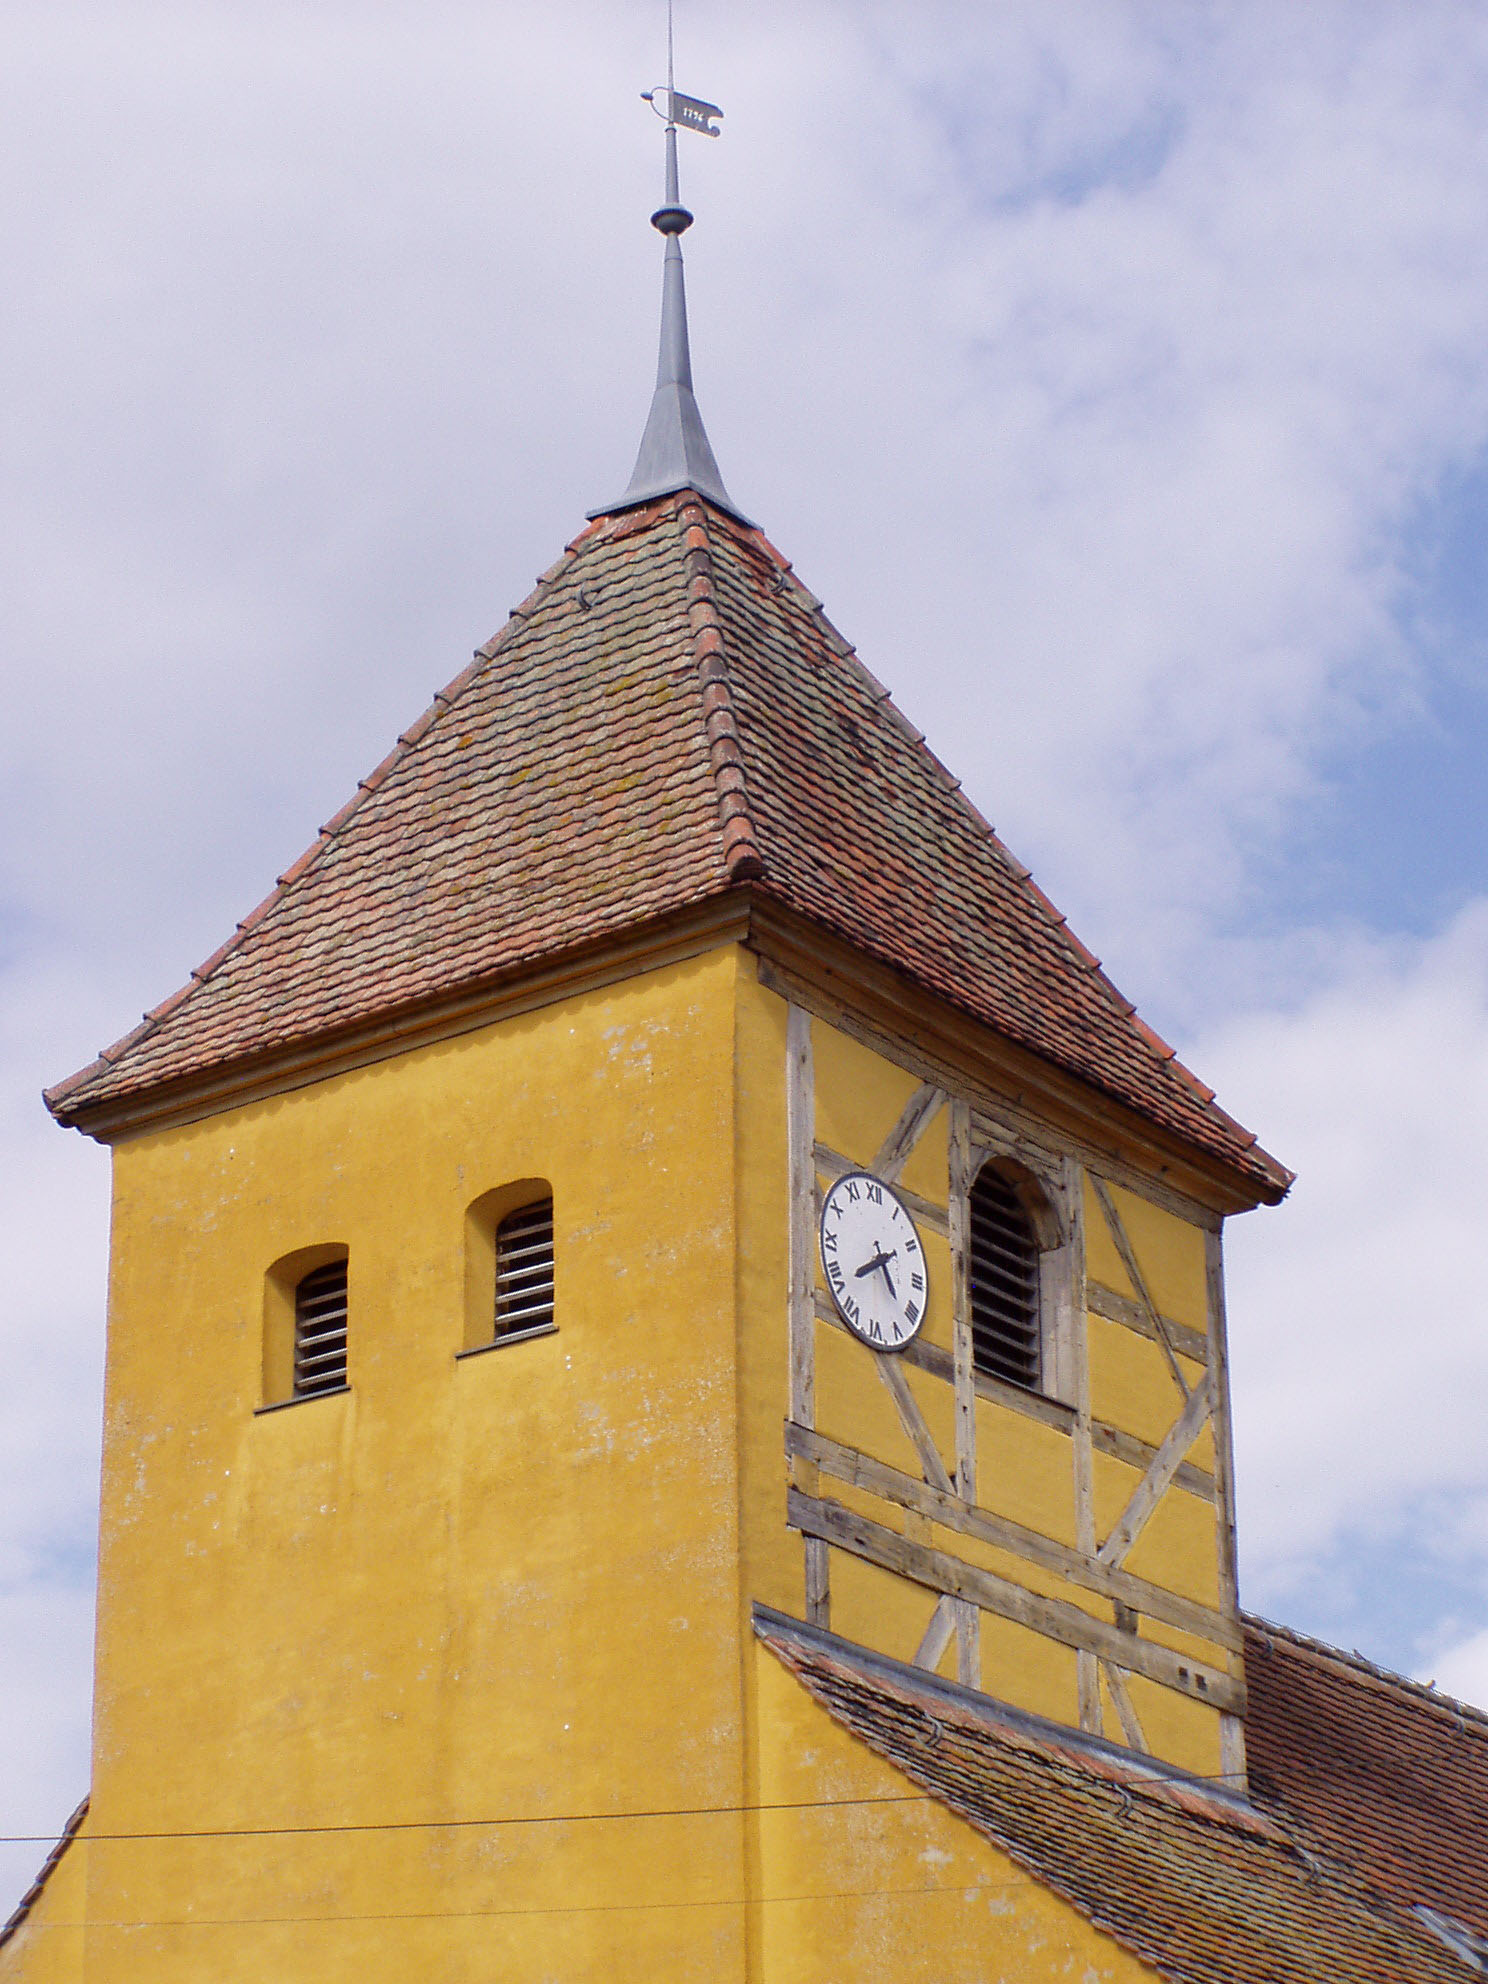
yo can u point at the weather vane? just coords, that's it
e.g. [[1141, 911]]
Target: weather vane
[[675, 453], [693, 114]]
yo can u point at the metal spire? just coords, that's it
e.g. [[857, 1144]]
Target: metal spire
[[674, 452]]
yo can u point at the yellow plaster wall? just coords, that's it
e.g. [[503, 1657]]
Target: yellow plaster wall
[[47, 1948], [513, 1588], [503, 1587], [863, 1878], [1169, 1251], [1025, 1467]]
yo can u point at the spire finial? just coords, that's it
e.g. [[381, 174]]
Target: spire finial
[[675, 453]]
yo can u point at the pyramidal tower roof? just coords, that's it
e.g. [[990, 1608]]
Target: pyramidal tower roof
[[668, 722], [667, 719]]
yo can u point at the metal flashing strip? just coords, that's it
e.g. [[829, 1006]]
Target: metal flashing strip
[[1456, 1936], [1002, 1717]]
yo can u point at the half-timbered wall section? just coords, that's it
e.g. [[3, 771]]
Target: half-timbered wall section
[[1068, 1549]]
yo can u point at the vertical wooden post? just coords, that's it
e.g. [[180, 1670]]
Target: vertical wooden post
[[800, 1122], [958, 1185], [818, 1582], [1076, 1347], [968, 1644], [800, 1135], [1231, 1727]]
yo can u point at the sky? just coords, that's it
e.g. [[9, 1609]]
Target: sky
[[1116, 372]]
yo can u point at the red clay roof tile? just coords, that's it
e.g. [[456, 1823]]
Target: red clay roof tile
[[667, 716], [1389, 1773], [1193, 1882]]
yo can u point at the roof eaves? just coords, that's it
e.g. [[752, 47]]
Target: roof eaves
[[816, 1653], [1279, 1179]]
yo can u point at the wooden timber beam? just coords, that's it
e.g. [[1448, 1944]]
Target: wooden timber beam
[[1129, 1262], [938, 1635], [832, 1164], [1126, 1714], [1104, 1438], [913, 1420], [1053, 1617], [859, 1470], [1118, 1308], [1155, 1483], [919, 1113]]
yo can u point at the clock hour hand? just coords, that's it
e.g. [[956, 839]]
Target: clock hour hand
[[881, 1260]]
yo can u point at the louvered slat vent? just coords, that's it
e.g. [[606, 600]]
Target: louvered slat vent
[[320, 1330], [524, 1269], [1004, 1284]]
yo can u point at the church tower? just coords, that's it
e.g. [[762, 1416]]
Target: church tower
[[666, 1399]]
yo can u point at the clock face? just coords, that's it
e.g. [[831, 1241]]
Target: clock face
[[873, 1261]]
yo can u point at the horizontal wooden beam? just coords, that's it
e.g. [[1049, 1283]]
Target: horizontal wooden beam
[[1104, 1438], [1053, 1617], [1118, 1308], [934, 1042], [860, 1470]]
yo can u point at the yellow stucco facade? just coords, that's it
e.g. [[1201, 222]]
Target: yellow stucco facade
[[451, 1674]]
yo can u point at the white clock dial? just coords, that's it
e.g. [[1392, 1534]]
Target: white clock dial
[[873, 1261]]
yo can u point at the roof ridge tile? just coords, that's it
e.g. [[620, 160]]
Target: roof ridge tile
[[1162, 1056], [741, 849], [1424, 1694]]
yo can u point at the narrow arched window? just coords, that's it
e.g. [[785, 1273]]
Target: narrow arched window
[[1005, 1322], [524, 1269], [320, 1330]]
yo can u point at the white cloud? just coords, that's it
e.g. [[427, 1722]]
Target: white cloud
[[1358, 1312], [1089, 360], [1462, 1670]]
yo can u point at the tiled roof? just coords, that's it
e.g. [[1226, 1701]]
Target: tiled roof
[[667, 718], [1390, 1774], [1194, 1883]]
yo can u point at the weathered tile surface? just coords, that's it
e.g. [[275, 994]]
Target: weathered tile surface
[[668, 717], [1391, 1774], [1200, 1887]]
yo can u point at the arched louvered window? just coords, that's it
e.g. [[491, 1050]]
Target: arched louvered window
[[524, 1270], [320, 1330], [1005, 1322]]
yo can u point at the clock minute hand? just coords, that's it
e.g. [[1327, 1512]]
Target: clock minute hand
[[881, 1260]]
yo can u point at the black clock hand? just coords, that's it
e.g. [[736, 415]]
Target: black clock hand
[[878, 1261], [881, 1260]]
